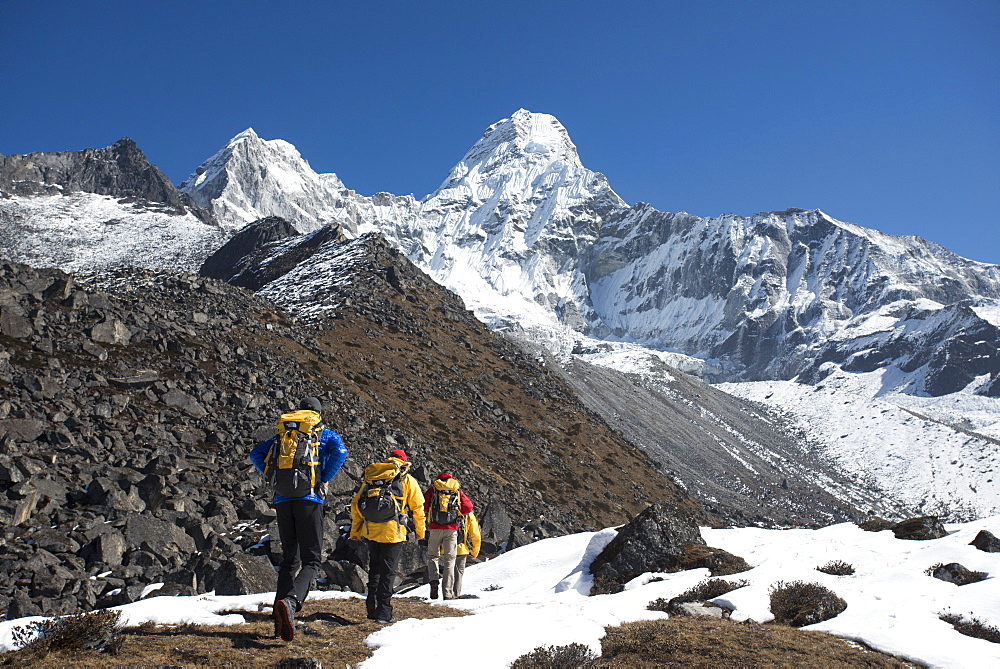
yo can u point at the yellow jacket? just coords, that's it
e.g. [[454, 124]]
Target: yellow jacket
[[472, 537], [391, 532]]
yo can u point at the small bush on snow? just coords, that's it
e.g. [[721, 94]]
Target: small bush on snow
[[556, 657], [707, 589], [837, 568], [972, 626]]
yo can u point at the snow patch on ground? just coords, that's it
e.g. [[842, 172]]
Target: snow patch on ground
[[537, 595]]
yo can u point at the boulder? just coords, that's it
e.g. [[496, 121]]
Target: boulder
[[21, 606], [986, 541], [242, 574], [494, 524], [923, 528], [957, 574], [517, 538], [185, 402], [107, 548], [160, 538], [696, 610], [13, 323], [345, 575], [657, 532], [110, 332]]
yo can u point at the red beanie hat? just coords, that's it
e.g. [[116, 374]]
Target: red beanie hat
[[398, 454], [444, 476]]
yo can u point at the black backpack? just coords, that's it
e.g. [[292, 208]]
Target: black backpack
[[381, 498]]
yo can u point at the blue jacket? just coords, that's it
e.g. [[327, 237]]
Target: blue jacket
[[332, 454]]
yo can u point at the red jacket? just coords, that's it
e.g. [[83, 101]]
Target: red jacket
[[464, 507]]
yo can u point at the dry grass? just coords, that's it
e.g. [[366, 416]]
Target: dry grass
[[701, 642], [331, 630]]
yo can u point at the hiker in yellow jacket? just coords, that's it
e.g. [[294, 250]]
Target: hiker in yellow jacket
[[469, 540], [385, 538]]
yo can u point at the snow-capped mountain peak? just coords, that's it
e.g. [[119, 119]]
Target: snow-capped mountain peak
[[526, 138], [251, 178]]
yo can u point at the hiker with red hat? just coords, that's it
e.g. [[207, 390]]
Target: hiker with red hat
[[379, 510], [444, 504]]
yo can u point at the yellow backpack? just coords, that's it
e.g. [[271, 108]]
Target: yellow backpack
[[381, 498], [292, 465], [445, 502]]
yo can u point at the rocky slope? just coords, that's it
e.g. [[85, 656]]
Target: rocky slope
[[129, 400], [735, 459]]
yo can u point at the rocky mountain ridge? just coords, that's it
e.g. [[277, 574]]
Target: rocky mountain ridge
[[129, 401], [737, 460], [120, 170]]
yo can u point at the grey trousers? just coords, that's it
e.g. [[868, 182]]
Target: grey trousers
[[456, 585], [441, 547]]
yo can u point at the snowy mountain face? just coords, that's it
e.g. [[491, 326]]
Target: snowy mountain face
[[85, 210], [250, 179], [533, 240]]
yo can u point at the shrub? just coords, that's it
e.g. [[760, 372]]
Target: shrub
[[556, 657], [97, 630], [716, 560], [799, 603], [605, 586], [973, 627], [707, 589], [837, 568]]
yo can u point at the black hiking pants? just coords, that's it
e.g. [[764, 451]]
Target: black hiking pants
[[300, 528], [382, 562]]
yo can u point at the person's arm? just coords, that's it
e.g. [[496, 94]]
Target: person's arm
[[472, 528], [465, 504], [333, 454], [428, 496], [356, 518], [258, 455], [416, 507]]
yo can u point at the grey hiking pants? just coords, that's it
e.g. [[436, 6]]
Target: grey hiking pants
[[456, 586], [441, 548]]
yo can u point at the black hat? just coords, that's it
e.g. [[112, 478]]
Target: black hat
[[311, 404]]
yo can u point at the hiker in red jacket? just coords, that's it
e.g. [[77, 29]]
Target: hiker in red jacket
[[444, 501]]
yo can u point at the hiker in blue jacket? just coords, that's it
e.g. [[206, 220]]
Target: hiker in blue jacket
[[300, 518]]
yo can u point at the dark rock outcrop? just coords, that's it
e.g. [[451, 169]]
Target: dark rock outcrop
[[923, 528], [957, 574], [120, 170], [660, 530], [986, 541], [239, 252], [241, 261]]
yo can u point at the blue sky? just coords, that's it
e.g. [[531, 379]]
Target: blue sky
[[880, 113]]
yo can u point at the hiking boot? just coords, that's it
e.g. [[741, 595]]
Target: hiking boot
[[385, 621], [434, 589], [371, 610], [284, 618]]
